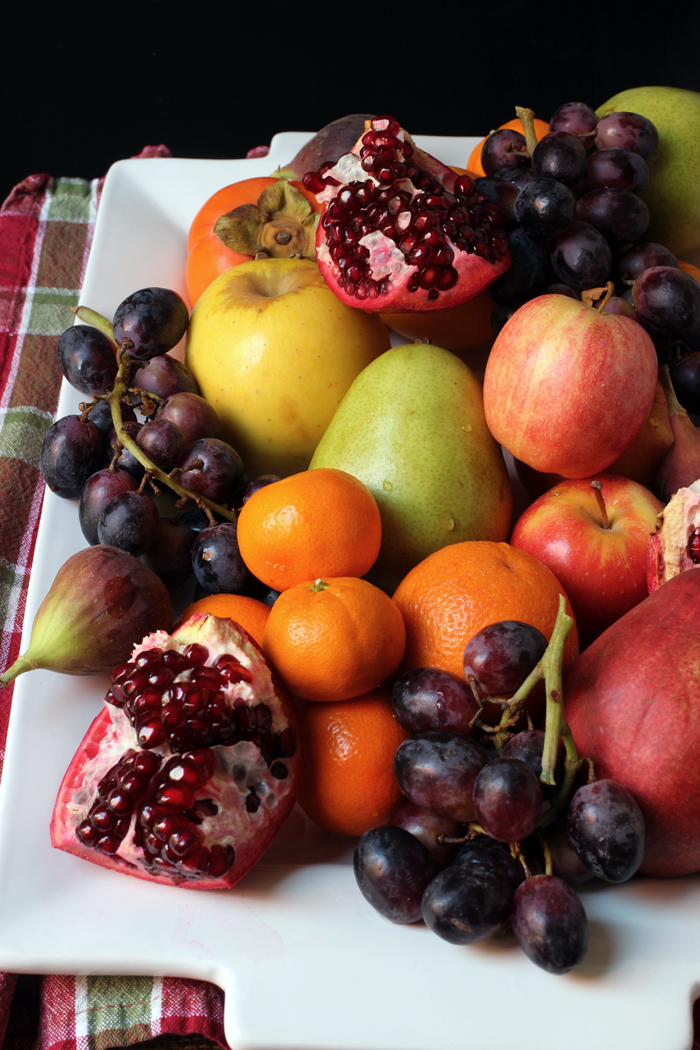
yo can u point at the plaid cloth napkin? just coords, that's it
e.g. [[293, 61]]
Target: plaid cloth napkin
[[46, 228]]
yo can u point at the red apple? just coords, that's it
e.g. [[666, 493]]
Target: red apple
[[597, 554], [567, 389], [632, 700]]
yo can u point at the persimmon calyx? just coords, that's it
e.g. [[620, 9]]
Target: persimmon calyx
[[281, 225]]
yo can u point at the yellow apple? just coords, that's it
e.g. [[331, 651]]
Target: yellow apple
[[274, 351]]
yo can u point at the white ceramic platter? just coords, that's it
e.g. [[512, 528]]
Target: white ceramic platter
[[304, 961]]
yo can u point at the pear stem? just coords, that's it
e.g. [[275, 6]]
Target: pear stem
[[674, 405], [527, 118], [597, 487]]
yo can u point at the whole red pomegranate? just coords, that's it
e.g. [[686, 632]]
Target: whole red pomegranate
[[192, 766], [401, 231]]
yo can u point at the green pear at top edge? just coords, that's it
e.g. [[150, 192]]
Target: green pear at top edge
[[673, 192], [412, 429]]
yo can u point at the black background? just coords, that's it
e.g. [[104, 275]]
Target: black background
[[89, 84]]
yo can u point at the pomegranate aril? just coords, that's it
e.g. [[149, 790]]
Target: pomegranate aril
[[354, 272], [423, 221], [420, 255], [160, 678], [195, 864], [313, 182], [150, 812], [694, 548], [149, 658], [169, 825], [430, 276], [143, 703], [176, 661], [88, 833], [189, 773], [183, 842], [252, 802], [120, 802], [133, 783], [443, 256], [336, 211], [407, 150], [176, 796], [102, 818], [173, 717], [122, 671], [152, 734], [220, 860], [447, 279], [146, 762], [386, 124], [108, 844], [434, 237], [196, 654]]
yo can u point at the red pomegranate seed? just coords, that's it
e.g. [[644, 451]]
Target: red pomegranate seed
[[694, 548], [168, 825], [152, 734], [119, 802], [220, 860], [197, 654], [177, 796], [149, 658], [183, 842], [313, 182]]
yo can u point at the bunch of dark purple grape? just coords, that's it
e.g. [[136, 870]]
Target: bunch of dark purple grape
[[576, 222], [117, 465], [497, 828]]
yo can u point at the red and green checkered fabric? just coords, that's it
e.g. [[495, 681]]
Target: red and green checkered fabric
[[46, 228]]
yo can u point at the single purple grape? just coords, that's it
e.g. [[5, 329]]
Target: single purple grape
[[101, 415], [252, 486], [393, 869], [150, 322], [528, 747], [467, 902], [545, 207], [501, 656], [72, 450], [213, 469], [437, 770], [669, 299], [165, 376], [503, 194], [561, 156], [505, 148], [642, 257], [616, 169], [577, 119], [607, 830], [550, 924], [507, 800], [218, 565], [627, 131], [527, 274], [87, 359], [565, 861], [126, 460], [581, 256], [128, 521], [195, 417], [487, 852], [685, 376], [619, 215], [163, 442], [426, 698], [96, 494]]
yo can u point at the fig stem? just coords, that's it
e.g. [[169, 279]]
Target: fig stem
[[20, 665], [597, 487], [527, 118], [120, 390], [84, 313]]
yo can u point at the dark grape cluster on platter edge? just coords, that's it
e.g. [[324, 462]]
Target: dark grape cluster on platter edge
[[146, 433]]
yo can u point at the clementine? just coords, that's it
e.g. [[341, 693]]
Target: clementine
[[321, 522], [335, 638], [349, 784], [453, 593], [541, 129], [248, 612]]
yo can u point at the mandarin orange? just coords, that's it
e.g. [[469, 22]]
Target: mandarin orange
[[349, 784], [335, 638], [453, 593], [321, 522], [251, 614]]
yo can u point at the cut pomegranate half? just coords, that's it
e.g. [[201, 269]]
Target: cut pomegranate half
[[401, 231], [186, 775]]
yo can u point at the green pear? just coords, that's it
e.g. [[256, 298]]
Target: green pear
[[673, 192], [412, 429]]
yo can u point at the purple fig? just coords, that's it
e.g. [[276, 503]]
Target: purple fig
[[330, 143], [680, 466], [102, 602]]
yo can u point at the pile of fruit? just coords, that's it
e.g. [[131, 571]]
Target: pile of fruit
[[346, 511]]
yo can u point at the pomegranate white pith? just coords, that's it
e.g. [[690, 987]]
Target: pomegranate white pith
[[187, 777], [401, 231]]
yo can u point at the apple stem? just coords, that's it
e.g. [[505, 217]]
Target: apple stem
[[527, 118], [597, 487], [609, 289]]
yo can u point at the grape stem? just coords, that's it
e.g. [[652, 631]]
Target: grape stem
[[119, 392], [527, 119]]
